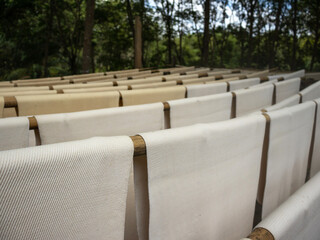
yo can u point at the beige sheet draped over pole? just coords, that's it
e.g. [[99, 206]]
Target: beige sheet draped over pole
[[287, 88], [290, 101], [74, 190], [311, 92], [14, 133], [259, 74], [16, 93], [139, 81], [5, 84], [251, 100], [285, 165], [245, 83], [43, 83], [45, 104], [80, 85], [100, 89], [152, 85], [19, 89], [37, 80], [142, 96], [296, 219], [62, 127], [206, 109], [188, 170], [206, 89], [297, 74], [91, 79]]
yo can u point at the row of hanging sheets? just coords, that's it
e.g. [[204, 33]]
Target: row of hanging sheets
[[33, 102], [258, 121], [96, 91], [147, 117]]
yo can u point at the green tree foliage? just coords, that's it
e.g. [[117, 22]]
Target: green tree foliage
[[46, 38]]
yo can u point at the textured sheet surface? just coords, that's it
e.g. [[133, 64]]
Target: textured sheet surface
[[194, 81], [312, 92], [15, 89], [61, 103], [184, 112], [22, 93], [264, 84], [251, 100], [297, 74], [130, 120], [81, 80], [42, 83], [9, 112], [315, 166], [276, 77], [139, 81], [92, 78], [290, 136], [73, 190], [6, 84], [180, 77], [99, 89], [287, 88], [153, 85], [206, 89], [258, 74], [14, 133], [152, 95], [81, 85], [299, 217], [37, 80], [234, 85], [203, 179], [289, 102]]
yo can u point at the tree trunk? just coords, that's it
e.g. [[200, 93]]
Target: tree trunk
[[314, 52], [275, 41], [294, 28], [213, 46], [195, 25], [206, 35], [242, 40], [169, 44], [242, 46], [251, 22], [92, 57], [138, 43], [181, 62], [142, 13], [316, 40], [87, 43], [47, 41], [130, 17]]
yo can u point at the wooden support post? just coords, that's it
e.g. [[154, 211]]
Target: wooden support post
[[138, 43]]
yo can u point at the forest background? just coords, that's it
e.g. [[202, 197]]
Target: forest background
[[41, 38]]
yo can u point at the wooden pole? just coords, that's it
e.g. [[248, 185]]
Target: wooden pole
[[138, 43]]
